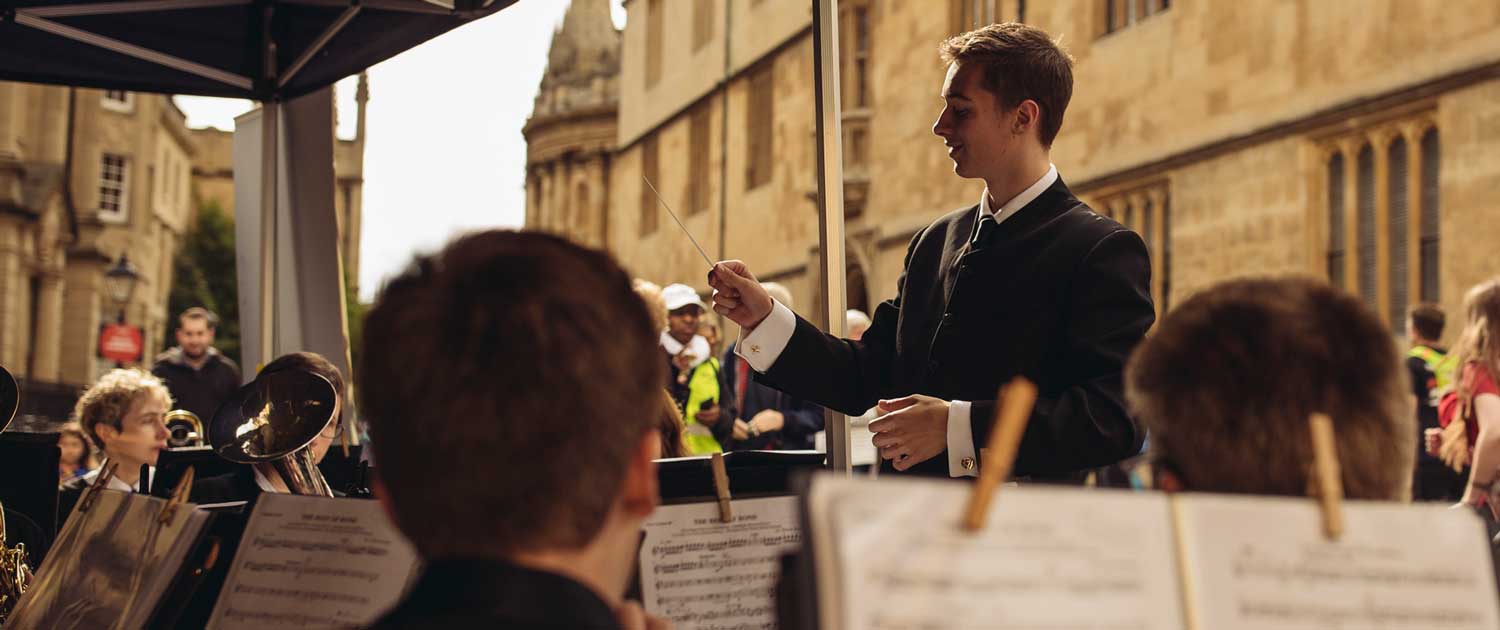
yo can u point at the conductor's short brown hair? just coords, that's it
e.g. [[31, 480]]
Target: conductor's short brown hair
[[1428, 320], [1020, 63], [1226, 384], [508, 380]]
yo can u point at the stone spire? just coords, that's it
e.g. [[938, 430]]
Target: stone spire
[[583, 63]]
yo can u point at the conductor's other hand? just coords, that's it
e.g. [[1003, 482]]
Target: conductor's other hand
[[912, 430], [738, 295]]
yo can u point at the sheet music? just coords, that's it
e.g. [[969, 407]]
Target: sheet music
[[890, 554], [1264, 563], [110, 566], [703, 574], [314, 562]]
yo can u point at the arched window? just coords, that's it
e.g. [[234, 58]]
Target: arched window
[[1396, 231], [1365, 226], [1428, 254], [1336, 247]]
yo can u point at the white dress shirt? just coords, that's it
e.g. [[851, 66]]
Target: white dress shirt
[[115, 483], [762, 346]]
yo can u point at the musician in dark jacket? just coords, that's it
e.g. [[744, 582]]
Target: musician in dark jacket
[[1027, 282], [497, 335]]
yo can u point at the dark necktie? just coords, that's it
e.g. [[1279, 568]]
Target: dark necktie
[[987, 225]]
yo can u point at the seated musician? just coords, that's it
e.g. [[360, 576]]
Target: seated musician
[[124, 414], [528, 363], [1227, 382], [246, 483]]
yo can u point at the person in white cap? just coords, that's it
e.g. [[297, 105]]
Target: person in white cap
[[694, 382]]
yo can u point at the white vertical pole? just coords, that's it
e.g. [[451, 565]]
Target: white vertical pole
[[831, 200], [270, 151]]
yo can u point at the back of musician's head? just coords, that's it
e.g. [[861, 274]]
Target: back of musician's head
[[1227, 382], [509, 381]]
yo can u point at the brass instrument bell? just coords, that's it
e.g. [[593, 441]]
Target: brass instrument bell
[[274, 420], [15, 569], [183, 428]]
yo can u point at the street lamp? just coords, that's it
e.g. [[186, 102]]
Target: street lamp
[[119, 282]]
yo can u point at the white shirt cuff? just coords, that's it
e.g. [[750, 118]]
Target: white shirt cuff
[[961, 441], [762, 346]]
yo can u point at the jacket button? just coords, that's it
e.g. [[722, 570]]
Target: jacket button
[[933, 365], [949, 318]]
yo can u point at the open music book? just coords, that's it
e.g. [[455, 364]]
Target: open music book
[[890, 554], [314, 562], [111, 564]]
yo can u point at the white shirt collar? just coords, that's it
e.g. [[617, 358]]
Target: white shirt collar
[[115, 483], [1019, 201], [697, 347]]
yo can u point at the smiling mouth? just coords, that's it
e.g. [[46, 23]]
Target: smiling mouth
[[953, 150]]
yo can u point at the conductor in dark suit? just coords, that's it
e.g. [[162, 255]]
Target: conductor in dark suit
[[1027, 282]]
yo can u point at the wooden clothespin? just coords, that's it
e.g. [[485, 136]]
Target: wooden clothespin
[[179, 496], [1327, 482], [91, 493], [1012, 412], [721, 486]]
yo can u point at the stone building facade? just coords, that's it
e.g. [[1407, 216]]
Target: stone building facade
[[213, 178], [86, 177], [570, 136], [1348, 141]]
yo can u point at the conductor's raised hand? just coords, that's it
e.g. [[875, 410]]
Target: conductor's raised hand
[[738, 295]]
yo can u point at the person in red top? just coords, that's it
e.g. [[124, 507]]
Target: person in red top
[[1478, 357]]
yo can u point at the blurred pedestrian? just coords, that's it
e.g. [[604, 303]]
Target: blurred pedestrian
[[198, 375]]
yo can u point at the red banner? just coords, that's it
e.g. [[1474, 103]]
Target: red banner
[[120, 342]]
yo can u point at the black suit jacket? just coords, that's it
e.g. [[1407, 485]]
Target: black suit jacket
[[474, 593], [1055, 293]]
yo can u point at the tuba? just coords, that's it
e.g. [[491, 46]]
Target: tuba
[[15, 569], [183, 428], [274, 420]]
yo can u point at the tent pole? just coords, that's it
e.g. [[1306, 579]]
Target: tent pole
[[830, 140], [270, 154]]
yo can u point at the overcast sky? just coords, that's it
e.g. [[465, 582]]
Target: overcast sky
[[443, 149]]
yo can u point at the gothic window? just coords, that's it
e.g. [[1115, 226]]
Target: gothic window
[[1364, 228], [698, 159], [1393, 210], [114, 200], [655, 36], [968, 15], [1336, 248], [759, 118], [1121, 14], [1396, 229], [649, 213], [1428, 245]]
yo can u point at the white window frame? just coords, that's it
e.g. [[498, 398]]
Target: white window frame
[[125, 105], [122, 210]]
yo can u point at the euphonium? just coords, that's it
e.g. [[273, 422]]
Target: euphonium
[[15, 569], [183, 428], [273, 420]]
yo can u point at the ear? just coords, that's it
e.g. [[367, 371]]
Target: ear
[[1028, 115], [106, 433], [639, 494]]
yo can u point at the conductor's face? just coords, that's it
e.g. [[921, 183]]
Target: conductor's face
[[974, 127]]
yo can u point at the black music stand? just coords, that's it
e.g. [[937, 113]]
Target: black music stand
[[173, 462], [28, 466]]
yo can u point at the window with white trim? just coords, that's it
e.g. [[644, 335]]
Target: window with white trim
[[114, 179]]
